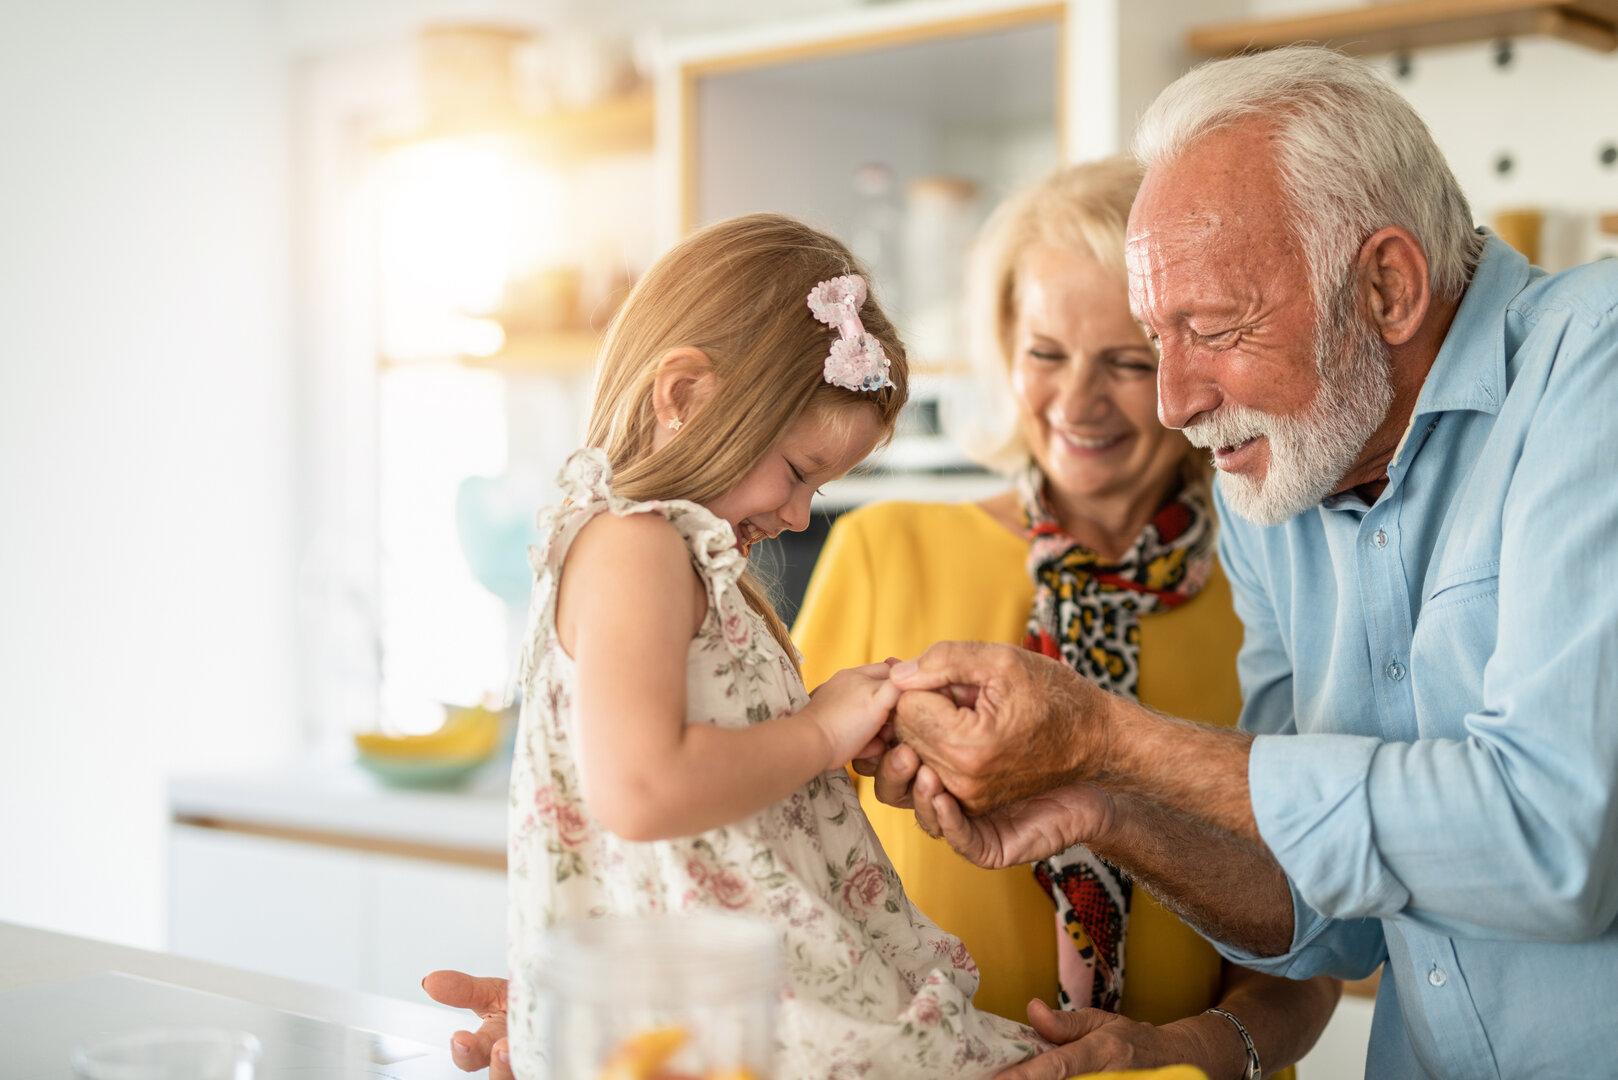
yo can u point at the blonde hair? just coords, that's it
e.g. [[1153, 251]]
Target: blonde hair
[[1081, 209], [737, 290]]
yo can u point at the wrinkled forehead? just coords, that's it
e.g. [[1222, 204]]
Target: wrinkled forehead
[[1216, 212]]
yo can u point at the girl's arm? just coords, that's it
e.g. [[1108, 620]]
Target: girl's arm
[[628, 606]]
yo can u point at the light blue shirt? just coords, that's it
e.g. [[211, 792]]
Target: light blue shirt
[[1434, 683]]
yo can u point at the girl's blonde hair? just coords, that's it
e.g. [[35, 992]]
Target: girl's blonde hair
[[1082, 209], [737, 290]]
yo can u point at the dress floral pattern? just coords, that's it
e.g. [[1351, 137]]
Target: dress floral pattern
[[875, 988]]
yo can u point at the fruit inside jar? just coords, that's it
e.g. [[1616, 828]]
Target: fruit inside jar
[[688, 997]]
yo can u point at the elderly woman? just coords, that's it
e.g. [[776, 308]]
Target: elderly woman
[[1100, 554]]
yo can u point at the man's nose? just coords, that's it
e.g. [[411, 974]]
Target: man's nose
[[1183, 391]]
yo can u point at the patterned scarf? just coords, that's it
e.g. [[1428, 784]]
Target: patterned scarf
[[1086, 613]]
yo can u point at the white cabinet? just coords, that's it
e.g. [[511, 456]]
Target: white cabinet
[[431, 915], [351, 918]]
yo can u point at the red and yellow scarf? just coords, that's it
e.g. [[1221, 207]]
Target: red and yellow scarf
[[1086, 613]]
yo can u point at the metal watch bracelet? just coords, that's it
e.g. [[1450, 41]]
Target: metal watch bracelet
[[1254, 1069]]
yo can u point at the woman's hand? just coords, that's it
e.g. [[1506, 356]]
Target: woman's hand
[[850, 709], [1094, 1040], [486, 1047]]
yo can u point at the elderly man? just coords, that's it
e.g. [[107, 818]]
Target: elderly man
[[1417, 442]]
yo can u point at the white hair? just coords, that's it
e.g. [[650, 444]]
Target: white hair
[[1354, 156]]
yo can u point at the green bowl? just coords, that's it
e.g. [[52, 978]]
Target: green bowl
[[424, 774]]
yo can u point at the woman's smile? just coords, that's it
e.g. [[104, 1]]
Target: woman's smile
[[1088, 445]]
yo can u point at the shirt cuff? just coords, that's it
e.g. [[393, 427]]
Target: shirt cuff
[[1320, 946], [1310, 803]]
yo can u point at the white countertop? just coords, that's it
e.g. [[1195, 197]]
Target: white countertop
[[29, 956], [341, 798]]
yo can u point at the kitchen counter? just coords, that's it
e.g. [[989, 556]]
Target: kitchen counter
[[339, 800], [30, 956]]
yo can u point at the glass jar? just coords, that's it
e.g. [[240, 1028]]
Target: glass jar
[[687, 997], [170, 1054]]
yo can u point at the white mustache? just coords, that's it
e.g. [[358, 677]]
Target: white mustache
[[1230, 425]]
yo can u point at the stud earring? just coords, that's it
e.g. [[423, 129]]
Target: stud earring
[[676, 424]]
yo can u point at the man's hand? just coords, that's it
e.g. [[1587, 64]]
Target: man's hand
[[1093, 1040], [486, 1047], [1036, 828], [999, 723]]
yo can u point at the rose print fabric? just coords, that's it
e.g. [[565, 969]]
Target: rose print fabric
[[874, 988]]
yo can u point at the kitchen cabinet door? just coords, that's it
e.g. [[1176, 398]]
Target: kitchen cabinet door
[[289, 909], [434, 915]]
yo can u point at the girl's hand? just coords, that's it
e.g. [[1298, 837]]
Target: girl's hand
[[849, 709]]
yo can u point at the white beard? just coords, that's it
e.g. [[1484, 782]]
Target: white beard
[[1309, 454]]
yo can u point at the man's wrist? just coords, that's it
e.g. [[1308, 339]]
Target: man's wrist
[[1114, 724], [1217, 1047]]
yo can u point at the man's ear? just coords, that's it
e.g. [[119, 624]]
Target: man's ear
[[684, 383], [1394, 283]]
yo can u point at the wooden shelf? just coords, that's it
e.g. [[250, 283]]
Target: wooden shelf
[[1413, 24], [622, 125]]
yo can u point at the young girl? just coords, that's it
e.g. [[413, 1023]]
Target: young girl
[[668, 758]]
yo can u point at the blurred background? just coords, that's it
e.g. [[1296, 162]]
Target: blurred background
[[298, 306]]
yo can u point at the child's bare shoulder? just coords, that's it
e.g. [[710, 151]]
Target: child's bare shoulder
[[642, 553], [612, 550]]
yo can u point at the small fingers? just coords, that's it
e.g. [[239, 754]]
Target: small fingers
[[948, 662]]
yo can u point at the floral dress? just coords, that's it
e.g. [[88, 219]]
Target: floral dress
[[874, 988]]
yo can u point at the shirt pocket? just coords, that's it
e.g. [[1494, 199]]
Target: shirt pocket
[[1463, 586], [1453, 640]]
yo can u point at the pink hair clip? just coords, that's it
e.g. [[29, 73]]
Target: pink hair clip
[[856, 361]]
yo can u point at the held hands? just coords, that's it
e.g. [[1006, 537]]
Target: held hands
[[998, 723], [850, 710]]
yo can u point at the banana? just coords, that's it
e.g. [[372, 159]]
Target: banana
[[467, 735]]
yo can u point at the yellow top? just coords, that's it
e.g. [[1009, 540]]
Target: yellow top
[[895, 577]]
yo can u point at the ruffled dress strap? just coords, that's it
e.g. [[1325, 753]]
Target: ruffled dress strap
[[586, 489]]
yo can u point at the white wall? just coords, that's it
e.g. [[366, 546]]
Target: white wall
[[145, 436]]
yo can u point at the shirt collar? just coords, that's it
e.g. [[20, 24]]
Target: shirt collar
[[1470, 369]]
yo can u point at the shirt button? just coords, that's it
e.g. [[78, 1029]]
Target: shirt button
[[1381, 538], [1437, 977], [1394, 670]]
